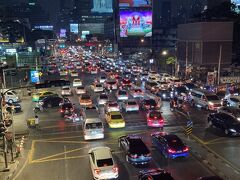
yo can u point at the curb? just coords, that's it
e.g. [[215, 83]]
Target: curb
[[13, 170]]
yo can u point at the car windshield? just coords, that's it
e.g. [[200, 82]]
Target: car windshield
[[122, 92], [97, 125], [181, 90], [80, 87], [212, 98], [67, 105], [103, 96], [77, 80], [234, 99], [151, 102], [111, 82], [84, 97], [132, 103], [153, 84], [98, 85], [104, 162], [117, 116], [174, 142], [155, 115], [66, 88], [113, 105]]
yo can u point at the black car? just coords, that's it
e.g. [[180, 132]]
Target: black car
[[164, 94], [178, 91], [155, 174], [135, 149], [66, 109], [50, 101], [225, 122], [16, 107], [148, 104]]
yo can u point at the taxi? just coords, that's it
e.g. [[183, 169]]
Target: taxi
[[41, 94], [115, 120], [85, 100]]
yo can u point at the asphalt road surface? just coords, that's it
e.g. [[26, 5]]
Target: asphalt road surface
[[58, 151]]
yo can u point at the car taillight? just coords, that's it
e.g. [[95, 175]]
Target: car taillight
[[185, 149], [147, 106], [171, 151], [133, 155], [161, 120], [71, 109], [61, 110], [97, 171], [115, 169], [149, 120]]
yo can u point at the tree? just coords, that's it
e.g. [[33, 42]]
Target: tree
[[171, 60]]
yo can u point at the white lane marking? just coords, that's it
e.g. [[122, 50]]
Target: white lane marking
[[66, 163]]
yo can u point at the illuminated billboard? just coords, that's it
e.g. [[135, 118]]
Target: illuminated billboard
[[135, 23], [237, 3], [62, 33], [74, 28], [102, 6], [135, 3]]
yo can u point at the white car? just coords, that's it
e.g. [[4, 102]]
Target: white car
[[94, 70], [80, 90], [77, 82], [102, 163], [175, 82], [63, 72], [137, 93], [111, 107], [97, 87], [74, 74], [232, 100], [130, 105], [66, 90], [102, 99], [122, 95], [102, 79], [165, 76]]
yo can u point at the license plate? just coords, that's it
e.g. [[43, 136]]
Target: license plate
[[179, 151]]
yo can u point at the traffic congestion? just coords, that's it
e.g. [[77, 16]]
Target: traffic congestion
[[99, 93]]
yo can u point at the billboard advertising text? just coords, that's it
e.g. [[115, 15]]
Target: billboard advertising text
[[135, 23], [135, 3]]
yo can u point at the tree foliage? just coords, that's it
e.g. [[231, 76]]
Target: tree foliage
[[171, 60]]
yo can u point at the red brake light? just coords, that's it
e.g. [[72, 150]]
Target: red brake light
[[97, 171], [171, 151], [185, 149], [115, 169], [61, 110], [133, 155]]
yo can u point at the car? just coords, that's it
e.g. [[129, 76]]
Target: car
[[153, 78], [155, 174], [102, 79], [66, 90], [155, 119], [102, 99], [125, 83], [80, 90], [85, 100], [93, 70], [77, 82], [143, 76], [233, 111], [97, 87], [232, 100], [79, 66], [111, 106], [50, 101], [41, 94], [136, 151], [111, 84], [170, 145], [74, 73], [148, 104], [165, 94], [225, 122], [152, 86], [130, 105], [66, 109], [137, 93], [114, 119], [63, 72], [15, 106], [175, 82], [102, 163], [179, 91], [122, 95]]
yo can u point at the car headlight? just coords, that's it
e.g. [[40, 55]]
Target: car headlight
[[164, 95], [211, 103], [232, 130], [238, 118]]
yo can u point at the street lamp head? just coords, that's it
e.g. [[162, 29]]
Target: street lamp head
[[142, 40], [164, 53]]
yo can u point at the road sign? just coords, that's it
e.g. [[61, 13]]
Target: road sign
[[189, 127]]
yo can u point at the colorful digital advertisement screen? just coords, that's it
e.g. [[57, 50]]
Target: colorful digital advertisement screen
[[74, 28], [237, 3], [102, 6], [135, 3], [135, 23]]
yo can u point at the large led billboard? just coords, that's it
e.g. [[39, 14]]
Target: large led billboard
[[74, 28], [135, 3], [102, 6], [237, 3], [135, 23]]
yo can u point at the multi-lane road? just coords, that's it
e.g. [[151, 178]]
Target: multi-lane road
[[57, 150]]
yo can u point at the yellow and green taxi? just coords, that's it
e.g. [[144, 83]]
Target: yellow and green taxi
[[115, 120], [41, 94]]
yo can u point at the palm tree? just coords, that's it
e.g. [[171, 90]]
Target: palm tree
[[171, 60]]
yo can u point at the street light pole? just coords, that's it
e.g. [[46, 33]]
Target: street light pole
[[219, 63]]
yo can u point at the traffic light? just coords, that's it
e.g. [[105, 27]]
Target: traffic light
[[2, 129]]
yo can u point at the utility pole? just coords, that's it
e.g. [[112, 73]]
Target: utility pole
[[186, 59], [219, 63]]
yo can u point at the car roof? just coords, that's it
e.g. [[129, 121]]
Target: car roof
[[102, 152]]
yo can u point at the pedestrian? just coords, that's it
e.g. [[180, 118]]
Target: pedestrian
[[36, 121]]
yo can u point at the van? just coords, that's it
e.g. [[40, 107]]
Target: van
[[205, 99], [93, 127]]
